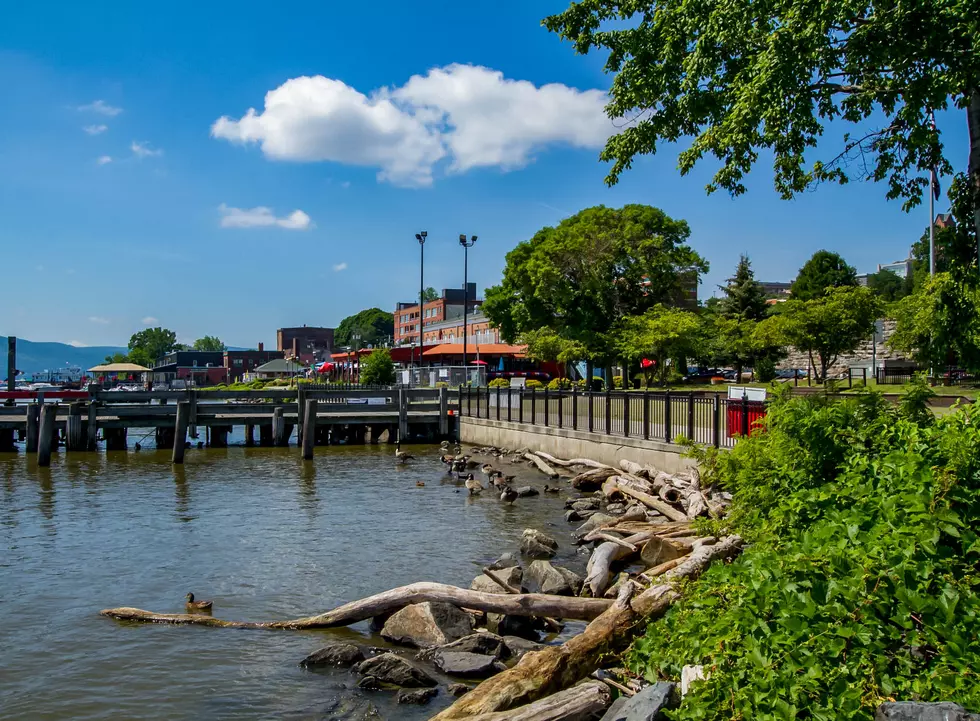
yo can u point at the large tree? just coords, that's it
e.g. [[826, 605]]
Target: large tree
[[887, 285], [582, 277], [824, 270], [209, 342], [149, 345], [745, 79], [824, 327], [661, 333], [378, 368], [955, 240], [374, 325], [733, 330], [744, 297]]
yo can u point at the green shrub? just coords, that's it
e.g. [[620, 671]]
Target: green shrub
[[617, 381], [378, 369], [764, 371], [559, 384], [861, 579], [534, 383], [499, 383]]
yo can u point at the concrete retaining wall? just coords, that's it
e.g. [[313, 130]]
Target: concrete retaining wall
[[566, 443]]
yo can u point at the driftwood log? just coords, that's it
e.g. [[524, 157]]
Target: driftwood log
[[542, 466], [592, 480], [605, 554], [655, 503], [525, 604], [586, 700], [587, 462], [541, 673]]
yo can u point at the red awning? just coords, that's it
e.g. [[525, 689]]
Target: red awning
[[490, 349]]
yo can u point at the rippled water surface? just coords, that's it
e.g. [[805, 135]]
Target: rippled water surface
[[263, 534]]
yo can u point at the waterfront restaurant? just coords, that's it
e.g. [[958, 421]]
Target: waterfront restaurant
[[118, 373]]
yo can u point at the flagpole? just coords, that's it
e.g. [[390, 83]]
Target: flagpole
[[932, 211]]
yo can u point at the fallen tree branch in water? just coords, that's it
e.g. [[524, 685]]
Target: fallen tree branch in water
[[525, 604], [583, 701], [541, 673]]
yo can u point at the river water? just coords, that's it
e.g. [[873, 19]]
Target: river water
[[263, 534]]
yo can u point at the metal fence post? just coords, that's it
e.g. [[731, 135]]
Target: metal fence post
[[864, 376], [520, 410], [716, 420], [469, 400], [626, 413], [849, 379], [667, 423], [690, 415], [608, 411], [590, 398], [498, 403], [546, 404], [646, 415], [534, 410], [574, 408], [745, 415], [796, 377], [561, 419]]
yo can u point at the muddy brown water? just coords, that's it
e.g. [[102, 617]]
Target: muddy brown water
[[264, 535]]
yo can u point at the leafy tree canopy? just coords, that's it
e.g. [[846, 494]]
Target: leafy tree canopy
[[746, 79], [887, 285], [824, 327], [824, 270], [378, 368], [430, 294], [374, 325], [956, 241], [150, 344], [940, 324], [744, 297], [117, 358], [208, 342], [661, 333], [582, 277]]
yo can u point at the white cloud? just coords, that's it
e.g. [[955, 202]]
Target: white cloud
[[260, 217], [77, 344], [95, 129], [103, 160], [141, 149], [102, 108], [98, 319], [339, 267], [472, 115], [149, 320]]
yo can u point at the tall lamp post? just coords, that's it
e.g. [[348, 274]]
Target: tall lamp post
[[420, 237], [467, 244], [356, 338]]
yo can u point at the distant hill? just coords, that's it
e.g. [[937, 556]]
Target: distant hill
[[34, 357]]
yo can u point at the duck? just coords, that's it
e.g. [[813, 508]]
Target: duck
[[193, 605], [549, 489], [402, 456], [473, 485], [489, 470], [508, 494], [420, 484]]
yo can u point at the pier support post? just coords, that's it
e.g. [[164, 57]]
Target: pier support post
[[74, 433], [180, 431], [45, 438], [192, 418], [322, 436], [33, 422], [402, 415], [7, 440], [309, 426], [249, 434], [115, 439], [444, 412], [355, 434], [92, 426], [265, 436], [219, 436], [165, 437], [279, 437]]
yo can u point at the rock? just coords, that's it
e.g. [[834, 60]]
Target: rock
[[392, 669], [583, 504], [336, 654], [427, 624], [457, 689], [484, 583], [535, 544], [574, 515], [616, 509], [647, 705], [613, 712], [542, 577], [347, 707], [508, 560], [523, 626], [690, 674], [417, 696], [470, 665], [369, 683], [659, 550], [527, 491], [516, 646], [912, 711], [488, 644], [594, 522]]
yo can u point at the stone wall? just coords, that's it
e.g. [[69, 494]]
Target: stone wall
[[860, 357]]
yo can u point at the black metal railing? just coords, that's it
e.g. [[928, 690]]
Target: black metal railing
[[706, 418]]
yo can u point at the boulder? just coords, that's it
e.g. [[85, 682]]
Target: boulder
[[427, 624], [468, 665], [596, 520], [515, 646], [523, 626], [616, 509], [613, 712], [913, 711], [345, 706], [535, 544], [647, 705], [508, 560], [342, 655], [369, 683], [488, 644], [574, 515], [527, 491], [660, 550], [392, 669], [484, 583], [542, 577], [582, 504], [417, 696], [457, 689]]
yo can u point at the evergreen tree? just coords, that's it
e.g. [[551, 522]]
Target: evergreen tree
[[744, 297]]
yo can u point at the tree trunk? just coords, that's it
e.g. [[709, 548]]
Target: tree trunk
[[973, 122], [738, 372], [609, 378], [527, 604]]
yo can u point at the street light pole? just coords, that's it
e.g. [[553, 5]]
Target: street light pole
[[420, 237], [466, 288]]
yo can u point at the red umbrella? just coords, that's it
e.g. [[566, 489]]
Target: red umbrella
[[647, 363], [479, 362], [324, 367]]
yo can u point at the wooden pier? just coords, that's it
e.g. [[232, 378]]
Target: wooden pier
[[319, 417]]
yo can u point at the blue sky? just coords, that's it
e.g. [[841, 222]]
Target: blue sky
[[125, 201]]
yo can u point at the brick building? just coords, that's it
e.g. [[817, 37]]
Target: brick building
[[306, 344], [239, 362], [447, 307]]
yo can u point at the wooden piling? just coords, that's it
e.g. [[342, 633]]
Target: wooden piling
[[92, 427], [45, 437], [402, 414], [33, 423], [279, 437], [115, 439], [309, 427], [74, 434], [192, 417], [266, 438], [249, 434], [219, 436], [7, 440], [180, 431], [444, 412]]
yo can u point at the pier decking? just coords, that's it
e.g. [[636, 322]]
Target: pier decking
[[320, 417]]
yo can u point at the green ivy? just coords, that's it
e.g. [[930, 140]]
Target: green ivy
[[860, 580]]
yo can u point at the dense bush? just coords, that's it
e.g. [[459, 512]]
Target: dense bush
[[378, 369], [860, 583], [534, 383], [560, 384], [499, 383], [617, 381], [764, 371]]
